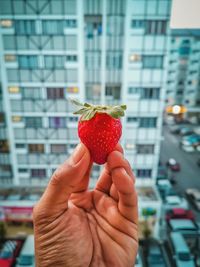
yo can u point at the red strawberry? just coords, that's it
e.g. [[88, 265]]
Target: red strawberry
[[99, 128]]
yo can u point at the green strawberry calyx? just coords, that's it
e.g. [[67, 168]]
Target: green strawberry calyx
[[88, 110]]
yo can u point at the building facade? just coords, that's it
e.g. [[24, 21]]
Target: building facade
[[98, 51], [183, 83]]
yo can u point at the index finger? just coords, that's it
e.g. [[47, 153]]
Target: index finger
[[124, 181]]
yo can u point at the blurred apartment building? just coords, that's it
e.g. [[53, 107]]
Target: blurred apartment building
[[94, 50], [183, 83]]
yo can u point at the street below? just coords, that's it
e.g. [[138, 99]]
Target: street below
[[189, 175]]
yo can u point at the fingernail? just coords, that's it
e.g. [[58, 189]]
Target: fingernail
[[77, 154]]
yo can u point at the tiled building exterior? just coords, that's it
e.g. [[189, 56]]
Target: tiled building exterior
[[94, 50]]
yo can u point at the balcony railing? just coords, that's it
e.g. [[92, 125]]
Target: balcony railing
[[46, 133], [3, 133], [4, 158], [41, 159], [61, 105]]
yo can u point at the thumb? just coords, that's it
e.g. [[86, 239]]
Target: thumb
[[70, 177]]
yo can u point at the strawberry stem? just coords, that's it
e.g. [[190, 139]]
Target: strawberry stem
[[88, 110]]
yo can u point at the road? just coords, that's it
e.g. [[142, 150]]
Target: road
[[189, 176]]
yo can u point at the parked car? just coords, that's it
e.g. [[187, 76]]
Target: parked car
[[171, 192], [26, 257], [198, 148], [191, 141], [179, 213], [181, 251], [189, 137], [194, 195], [174, 129], [186, 131], [155, 257], [162, 172], [175, 202], [173, 165], [184, 226], [164, 187], [9, 253], [188, 148]]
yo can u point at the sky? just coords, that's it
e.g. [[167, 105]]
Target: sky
[[185, 14]]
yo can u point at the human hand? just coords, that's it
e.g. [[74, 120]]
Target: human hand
[[75, 227]]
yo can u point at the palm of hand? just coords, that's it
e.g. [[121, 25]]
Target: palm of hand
[[94, 232], [96, 229]]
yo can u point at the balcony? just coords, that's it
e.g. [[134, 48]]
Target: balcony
[[46, 133], [1, 105], [41, 159], [4, 158], [3, 133], [45, 105]]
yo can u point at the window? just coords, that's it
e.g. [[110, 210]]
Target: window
[[33, 122], [10, 58], [13, 89], [152, 62], [58, 148], [72, 90], [6, 23], [132, 119], [71, 58], [16, 118], [155, 26], [20, 145], [130, 145], [115, 25], [135, 58], [181, 83], [22, 170], [38, 173], [2, 118], [71, 23], [144, 173], [93, 25], [31, 93], [55, 93], [93, 91], [134, 90], [23, 27], [137, 24], [72, 119], [4, 146], [150, 93], [36, 148], [53, 27], [148, 122], [179, 92], [145, 93], [184, 50], [114, 60], [92, 60], [28, 62], [145, 149], [113, 91], [57, 122], [72, 146], [54, 62]]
